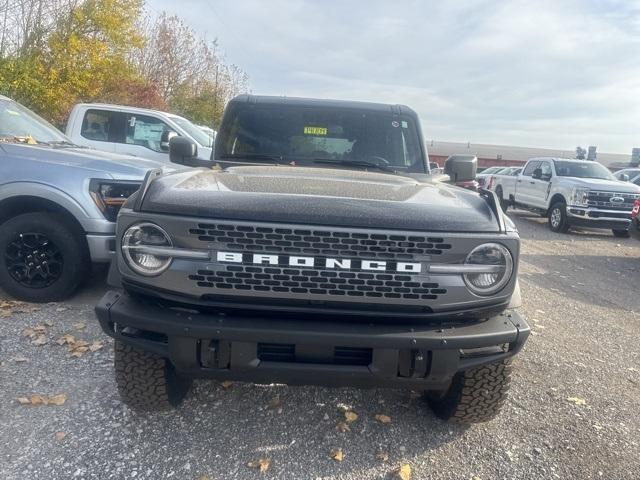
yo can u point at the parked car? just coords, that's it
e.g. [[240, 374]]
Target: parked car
[[320, 252], [627, 174], [572, 192], [133, 131], [483, 176], [58, 205], [503, 180]]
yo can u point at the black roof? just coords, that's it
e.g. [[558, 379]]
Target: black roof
[[320, 102]]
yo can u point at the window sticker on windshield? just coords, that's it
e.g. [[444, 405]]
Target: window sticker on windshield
[[315, 131], [405, 124], [395, 124]]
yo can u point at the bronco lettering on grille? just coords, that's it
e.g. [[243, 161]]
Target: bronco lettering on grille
[[337, 263]]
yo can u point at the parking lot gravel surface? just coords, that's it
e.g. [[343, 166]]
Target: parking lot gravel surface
[[573, 412]]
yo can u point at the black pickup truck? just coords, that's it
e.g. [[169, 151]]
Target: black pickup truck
[[315, 248]]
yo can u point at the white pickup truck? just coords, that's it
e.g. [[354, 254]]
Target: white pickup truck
[[570, 192], [139, 132]]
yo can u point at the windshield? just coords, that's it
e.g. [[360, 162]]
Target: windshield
[[582, 170], [17, 123], [321, 135], [196, 133]]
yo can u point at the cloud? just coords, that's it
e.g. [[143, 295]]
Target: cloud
[[545, 73]]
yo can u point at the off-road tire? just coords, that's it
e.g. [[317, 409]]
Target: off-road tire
[[475, 395], [147, 382], [67, 240], [621, 233], [561, 226]]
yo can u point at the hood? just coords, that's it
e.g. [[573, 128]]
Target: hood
[[603, 185], [121, 167], [320, 196]]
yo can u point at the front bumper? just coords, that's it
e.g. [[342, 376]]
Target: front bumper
[[597, 218], [102, 247], [301, 351]]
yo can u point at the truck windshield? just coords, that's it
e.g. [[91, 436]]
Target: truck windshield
[[321, 135], [195, 132], [582, 170], [18, 124]]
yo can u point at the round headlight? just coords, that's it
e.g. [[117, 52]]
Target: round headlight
[[140, 245], [492, 255]]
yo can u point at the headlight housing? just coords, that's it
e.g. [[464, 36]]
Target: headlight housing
[[489, 254], [110, 195], [144, 248], [579, 197]]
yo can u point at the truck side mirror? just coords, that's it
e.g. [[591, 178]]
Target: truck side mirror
[[624, 177], [185, 152], [461, 168], [537, 174], [165, 138]]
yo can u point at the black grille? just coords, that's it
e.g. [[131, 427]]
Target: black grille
[[327, 242], [286, 352], [316, 281], [603, 200]]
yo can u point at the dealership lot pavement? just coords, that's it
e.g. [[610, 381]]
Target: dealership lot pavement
[[574, 409]]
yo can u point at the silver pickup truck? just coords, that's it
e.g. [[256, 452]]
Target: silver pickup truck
[[58, 205]]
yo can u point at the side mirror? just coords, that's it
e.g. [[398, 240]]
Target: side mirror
[[537, 174], [185, 152], [165, 138], [624, 177], [461, 168]]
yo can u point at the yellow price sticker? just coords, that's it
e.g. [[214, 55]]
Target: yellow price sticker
[[315, 131]]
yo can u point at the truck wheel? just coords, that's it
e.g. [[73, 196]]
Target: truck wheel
[[475, 395], [146, 381], [558, 217], [42, 258], [621, 233]]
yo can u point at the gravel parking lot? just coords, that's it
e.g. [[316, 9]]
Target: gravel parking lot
[[574, 409]]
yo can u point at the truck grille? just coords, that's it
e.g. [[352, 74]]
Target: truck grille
[[603, 200], [331, 243], [317, 282]]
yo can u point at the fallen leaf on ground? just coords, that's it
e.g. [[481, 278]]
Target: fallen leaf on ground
[[350, 416], [39, 340], [403, 472], [66, 340], [43, 400], [60, 436], [383, 456], [96, 345], [577, 400], [342, 427], [383, 418], [261, 464], [336, 454], [226, 384], [275, 402], [344, 408], [80, 326]]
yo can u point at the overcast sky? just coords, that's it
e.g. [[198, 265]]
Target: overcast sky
[[532, 73]]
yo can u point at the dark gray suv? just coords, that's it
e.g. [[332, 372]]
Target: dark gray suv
[[317, 250]]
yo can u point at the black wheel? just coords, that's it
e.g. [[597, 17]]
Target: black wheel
[[558, 217], [42, 258], [503, 203], [475, 395], [621, 233], [146, 381]]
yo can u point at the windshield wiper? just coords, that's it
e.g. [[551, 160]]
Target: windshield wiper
[[253, 156], [356, 163]]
